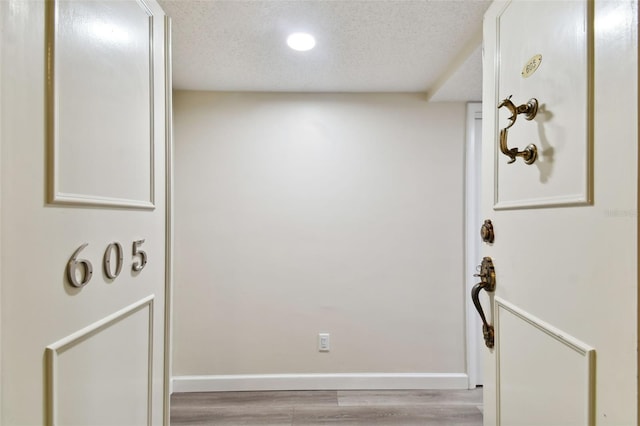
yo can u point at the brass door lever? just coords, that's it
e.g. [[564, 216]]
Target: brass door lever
[[530, 109], [487, 282]]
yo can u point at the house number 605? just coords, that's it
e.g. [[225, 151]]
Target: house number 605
[[80, 271]]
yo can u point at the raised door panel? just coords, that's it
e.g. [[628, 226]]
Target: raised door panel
[[544, 52], [106, 369], [100, 108], [538, 366]]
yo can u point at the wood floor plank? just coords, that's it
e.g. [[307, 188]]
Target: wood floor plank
[[433, 415], [414, 397], [256, 399], [228, 416]]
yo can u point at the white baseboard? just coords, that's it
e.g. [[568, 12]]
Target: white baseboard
[[357, 381]]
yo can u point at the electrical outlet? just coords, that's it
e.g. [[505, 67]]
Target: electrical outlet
[[324, 342]]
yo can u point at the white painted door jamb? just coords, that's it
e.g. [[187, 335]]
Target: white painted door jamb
[[168, 219], [472, 239]]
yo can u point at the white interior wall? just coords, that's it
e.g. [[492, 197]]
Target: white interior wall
[[304, 213]]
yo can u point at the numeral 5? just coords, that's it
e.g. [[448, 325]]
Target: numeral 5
[[138, 265]]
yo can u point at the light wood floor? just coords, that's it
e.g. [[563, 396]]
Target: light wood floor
[[308, 408]]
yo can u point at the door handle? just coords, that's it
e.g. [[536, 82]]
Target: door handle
[[487, 282], [530, 109]]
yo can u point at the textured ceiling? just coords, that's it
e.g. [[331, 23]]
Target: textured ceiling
[[362, 46]]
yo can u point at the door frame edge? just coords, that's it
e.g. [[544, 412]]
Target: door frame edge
[[472, 173], [168, 292]]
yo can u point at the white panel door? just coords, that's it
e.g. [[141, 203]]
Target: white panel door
[[564, 309], [83, 212]]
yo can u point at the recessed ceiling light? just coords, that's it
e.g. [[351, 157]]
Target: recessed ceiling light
[[301, 41]]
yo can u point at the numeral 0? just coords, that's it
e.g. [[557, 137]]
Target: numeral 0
[[80, 271], [107, 260]]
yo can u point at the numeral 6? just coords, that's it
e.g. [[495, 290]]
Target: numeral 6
[[72, 268]]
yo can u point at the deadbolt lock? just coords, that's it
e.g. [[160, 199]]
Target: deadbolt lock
[[486, 231]]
